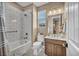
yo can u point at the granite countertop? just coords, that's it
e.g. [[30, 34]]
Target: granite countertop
[[56, 37]]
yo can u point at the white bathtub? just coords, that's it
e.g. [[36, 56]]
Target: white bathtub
[[19, 48]]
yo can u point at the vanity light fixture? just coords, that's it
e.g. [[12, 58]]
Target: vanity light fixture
[[50, 13], [54, 12], [59, 10]]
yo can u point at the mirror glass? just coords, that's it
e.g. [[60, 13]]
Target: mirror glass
[[55, 24]]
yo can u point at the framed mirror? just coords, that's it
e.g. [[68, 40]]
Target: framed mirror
[[55, 24]]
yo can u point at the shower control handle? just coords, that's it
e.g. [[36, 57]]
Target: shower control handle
[[26, 33], [25, 37]]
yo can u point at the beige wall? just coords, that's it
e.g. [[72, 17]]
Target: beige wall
[[34, 23], [49, 7], [52, 5]]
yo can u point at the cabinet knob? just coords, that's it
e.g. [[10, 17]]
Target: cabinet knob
[[65, 45]]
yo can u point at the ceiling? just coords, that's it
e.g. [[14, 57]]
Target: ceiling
[[24, 4]]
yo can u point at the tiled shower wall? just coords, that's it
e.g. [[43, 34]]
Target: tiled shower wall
[[13, 26], [15, 20]]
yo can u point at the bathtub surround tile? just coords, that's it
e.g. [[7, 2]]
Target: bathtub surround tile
[[29, 52], [16, 21]]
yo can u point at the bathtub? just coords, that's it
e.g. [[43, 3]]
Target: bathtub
[[19, 48]]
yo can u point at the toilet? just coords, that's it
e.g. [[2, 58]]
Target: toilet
[[38, 45]]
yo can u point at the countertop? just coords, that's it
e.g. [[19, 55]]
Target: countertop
[[56, 38]]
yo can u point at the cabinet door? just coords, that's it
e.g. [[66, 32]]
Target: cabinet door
[[48, 49], [60, 50], [53, 51]]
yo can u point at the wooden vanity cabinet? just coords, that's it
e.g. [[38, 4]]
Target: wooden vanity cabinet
[[55, 47]]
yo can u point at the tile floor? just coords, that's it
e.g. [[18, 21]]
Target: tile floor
[[30, 53]]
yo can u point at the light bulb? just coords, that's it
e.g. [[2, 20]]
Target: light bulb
[[59, 10], [50, 13], [54, 12]]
